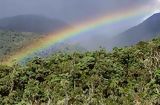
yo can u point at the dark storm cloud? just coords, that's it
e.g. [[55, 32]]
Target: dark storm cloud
[[68, 10]]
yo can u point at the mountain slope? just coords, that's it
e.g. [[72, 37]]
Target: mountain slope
[[146, 30], [31, 23], [11, 41]]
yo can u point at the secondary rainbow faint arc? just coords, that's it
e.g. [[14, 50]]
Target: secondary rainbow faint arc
[[51, 39]]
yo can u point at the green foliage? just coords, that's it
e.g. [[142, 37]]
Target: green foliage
[[157, 76], [125, 76]]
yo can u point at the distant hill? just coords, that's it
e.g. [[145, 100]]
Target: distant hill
[[148, 29], [31, 23], [11, 41]]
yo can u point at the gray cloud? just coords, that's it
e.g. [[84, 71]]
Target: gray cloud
[[69, 10]]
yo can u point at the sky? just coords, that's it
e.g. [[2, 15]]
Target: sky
[[68, 10], [76, 11]]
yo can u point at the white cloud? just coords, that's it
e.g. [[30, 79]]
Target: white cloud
[[156, 6], [152, 8]]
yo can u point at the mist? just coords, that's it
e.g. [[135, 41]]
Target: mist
[[77, 11]]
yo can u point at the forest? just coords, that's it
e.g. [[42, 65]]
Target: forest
[[123, 76], [11, 41]]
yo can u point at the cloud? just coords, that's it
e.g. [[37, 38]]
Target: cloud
[[69, 10], [157, 6], [153, 7]]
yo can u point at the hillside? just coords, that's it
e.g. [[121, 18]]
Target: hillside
[[148, 29], [125, 76], [11, 41], [31, 23]]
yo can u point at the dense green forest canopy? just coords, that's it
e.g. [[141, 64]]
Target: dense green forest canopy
[[125, 76]]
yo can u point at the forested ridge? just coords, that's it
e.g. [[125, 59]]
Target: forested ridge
[[11, 41], [124, 76]]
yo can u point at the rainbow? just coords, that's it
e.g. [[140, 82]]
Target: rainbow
[[50, 40]]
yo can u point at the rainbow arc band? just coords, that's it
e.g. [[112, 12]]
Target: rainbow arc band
[[52, 39]]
